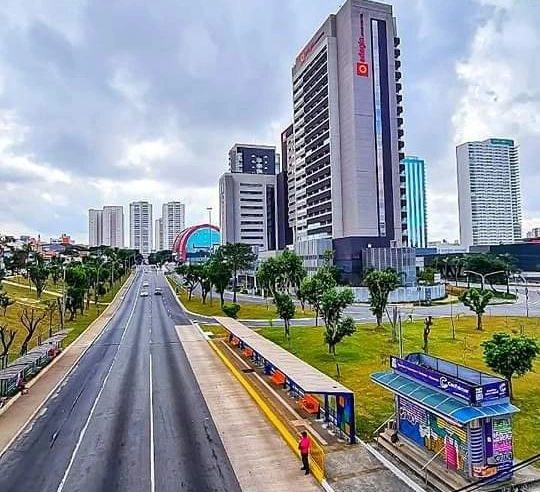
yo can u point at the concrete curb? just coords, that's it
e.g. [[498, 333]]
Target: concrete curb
[[127, 284]]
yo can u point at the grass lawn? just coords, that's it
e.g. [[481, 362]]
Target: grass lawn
[[367, 351], [24, 297], [248, 310]]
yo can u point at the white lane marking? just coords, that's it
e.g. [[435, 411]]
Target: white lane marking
[[152, 448], [96, 401]]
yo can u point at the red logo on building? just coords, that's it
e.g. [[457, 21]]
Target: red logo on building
[[362, 67]]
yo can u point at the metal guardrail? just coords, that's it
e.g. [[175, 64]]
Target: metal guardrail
[[425, 467], [376, 431]]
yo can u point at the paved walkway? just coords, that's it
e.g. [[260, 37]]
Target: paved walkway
[[24, 407], [261, 460]]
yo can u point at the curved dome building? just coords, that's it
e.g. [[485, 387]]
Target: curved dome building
[[196, 242]]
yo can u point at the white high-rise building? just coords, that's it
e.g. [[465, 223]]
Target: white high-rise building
[[140, 227], [113, 226], [489, 192], [247, 210], [95, 227], [348, 129], [158, 234], [173, 215]]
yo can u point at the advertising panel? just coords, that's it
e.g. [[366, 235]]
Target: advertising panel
[[457, 387], [433, 378]]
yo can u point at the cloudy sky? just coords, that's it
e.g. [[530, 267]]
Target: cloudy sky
[[105, 102]]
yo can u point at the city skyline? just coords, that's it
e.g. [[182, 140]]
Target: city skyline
[[72, 165]]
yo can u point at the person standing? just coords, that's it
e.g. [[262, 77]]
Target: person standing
[[305, 446]]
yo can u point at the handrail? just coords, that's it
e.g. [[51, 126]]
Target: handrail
[[425, 467], [431, 459], [383, 424]]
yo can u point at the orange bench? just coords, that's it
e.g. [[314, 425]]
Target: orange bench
[[310, 404], [278, 378], [235, 342], [248, 352]]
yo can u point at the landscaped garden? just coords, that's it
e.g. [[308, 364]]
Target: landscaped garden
[[369, 348]]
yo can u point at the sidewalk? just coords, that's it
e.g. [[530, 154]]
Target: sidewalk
[[23, 408], [261, 460]]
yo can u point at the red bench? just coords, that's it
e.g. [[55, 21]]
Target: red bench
[[247, 352], [310, 404], [278, 378], [235, 342]]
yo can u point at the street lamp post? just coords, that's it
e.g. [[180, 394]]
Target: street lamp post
[[209, 209], [483, 276], [526, 294]]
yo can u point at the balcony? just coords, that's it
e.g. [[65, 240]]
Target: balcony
[[397, 52], [399, 87], [398, 64], [400, 133], [400, 122], [401, 144], [398, 75], [399, 109], [397, 41]]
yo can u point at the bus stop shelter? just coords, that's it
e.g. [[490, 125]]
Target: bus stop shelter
[[299, 377]]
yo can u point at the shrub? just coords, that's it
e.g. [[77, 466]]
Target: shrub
[[231, 310]]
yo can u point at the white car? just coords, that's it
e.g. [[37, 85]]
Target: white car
[[145, 284], [144, 293]]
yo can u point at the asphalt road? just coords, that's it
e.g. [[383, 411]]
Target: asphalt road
[[129, 417]]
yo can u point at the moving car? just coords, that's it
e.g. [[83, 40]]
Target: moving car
[[158, 292], [144, 293], [145, 284]]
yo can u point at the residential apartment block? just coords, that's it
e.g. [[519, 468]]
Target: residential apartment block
[[140, 227]]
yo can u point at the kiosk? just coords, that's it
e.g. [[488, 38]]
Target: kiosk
[[461, 414]]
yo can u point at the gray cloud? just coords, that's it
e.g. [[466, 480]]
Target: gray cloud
[[133, 96]]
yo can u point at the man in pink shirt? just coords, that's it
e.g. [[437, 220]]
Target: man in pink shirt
[[304, 446]]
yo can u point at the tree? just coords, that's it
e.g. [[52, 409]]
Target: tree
[[333, 303], [285, 308], [5, 300], [77, 286], [30, 319], [51, 309], [292, 270], [476, 300], [39, 274], [313, 288], [380, 283], [238, 256], [510, 356], [427, 276], [220, 274], [190, 277], [269, 275], [7, 337], [202, 272], [428, 322], [56, 269]]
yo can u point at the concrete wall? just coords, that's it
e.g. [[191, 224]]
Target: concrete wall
[[404, 294]]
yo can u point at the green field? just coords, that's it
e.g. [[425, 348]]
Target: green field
[[248, 310], [368, 350], [25, 297]]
